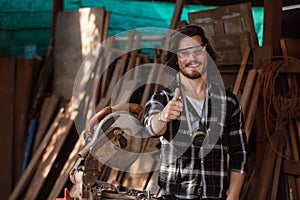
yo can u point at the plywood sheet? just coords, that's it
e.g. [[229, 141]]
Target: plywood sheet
[[77, 33]]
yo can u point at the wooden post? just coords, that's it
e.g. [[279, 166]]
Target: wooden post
[[58, 5], [272, 24], [7, 90]]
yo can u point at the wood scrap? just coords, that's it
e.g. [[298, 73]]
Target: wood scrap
[[106, 26], [50, 154], [277, 171], [134, 53], [291, 167], [153, 73], [64, 174], [48, 109], [105, 101], [30, 170], [268, 167], [124, 58], [291, 180], [247, 90], [252, 107], [241, 70], [108, 66]]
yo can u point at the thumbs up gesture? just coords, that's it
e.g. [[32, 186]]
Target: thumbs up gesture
[[173, 109]]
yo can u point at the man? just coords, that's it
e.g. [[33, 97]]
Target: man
[[199, 124]]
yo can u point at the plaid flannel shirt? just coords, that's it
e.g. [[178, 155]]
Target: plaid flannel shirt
[[185, 168]]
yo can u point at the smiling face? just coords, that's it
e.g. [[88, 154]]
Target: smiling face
[[192, 57]]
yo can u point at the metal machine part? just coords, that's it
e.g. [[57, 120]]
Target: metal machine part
[[113, 138]]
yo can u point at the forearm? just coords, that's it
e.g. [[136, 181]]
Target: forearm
[[236, 182], [158, 126]]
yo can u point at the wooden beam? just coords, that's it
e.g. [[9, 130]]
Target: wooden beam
[[291, 167], [272, 24], [177, 13], [7, 90], [58, 5]]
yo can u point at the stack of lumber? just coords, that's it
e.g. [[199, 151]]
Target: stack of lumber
[[60, 116], [274, 140]]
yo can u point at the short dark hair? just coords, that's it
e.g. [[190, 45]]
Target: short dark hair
[[182, 32]]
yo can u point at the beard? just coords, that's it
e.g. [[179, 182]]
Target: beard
[[192, 74]]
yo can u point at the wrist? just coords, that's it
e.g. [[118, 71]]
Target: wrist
[[160, 118]]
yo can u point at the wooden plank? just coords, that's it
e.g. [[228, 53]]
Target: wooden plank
[[24, 83], [125, 55], [268, 167], [252, 107], [241, 70], [290, 179], [64, 174], [295, 153], [81, 34], [33, 164], [277, 171], [176, 14], [108, 65], [290, 47], [247, 91], [50, 154], [7, 88], [48, 109], [231, 28], [134, 53], [231, 48], [298, 129], [106, 26], [114, 78], [291, 167], [153, 73]]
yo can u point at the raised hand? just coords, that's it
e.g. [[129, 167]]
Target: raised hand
[[173, 109]]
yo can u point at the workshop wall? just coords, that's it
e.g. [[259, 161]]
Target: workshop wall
[[26, 25]]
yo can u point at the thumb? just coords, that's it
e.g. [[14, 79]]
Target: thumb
[[176, 95]]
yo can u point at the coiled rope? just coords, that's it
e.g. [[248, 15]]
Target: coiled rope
[[286, 106]]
